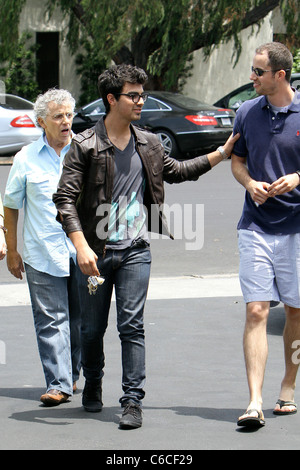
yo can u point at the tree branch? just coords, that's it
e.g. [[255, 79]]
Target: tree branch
[[259, 13], [252, 17], [78, 11]]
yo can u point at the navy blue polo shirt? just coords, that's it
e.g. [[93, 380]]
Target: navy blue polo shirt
[[271, 144]]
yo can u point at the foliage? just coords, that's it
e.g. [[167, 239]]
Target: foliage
[[290, 11], [89, 68], [19, 71], [296, 64], [159, 36], [9, 21]]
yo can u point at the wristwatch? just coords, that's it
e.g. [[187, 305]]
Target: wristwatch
[[222, 152], [298, 173], [3, 228]]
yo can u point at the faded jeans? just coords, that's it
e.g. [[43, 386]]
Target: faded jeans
[[128, 271], [56, 312]]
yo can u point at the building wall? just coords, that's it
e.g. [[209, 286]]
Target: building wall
[[214, 78], [211, 79], [33, 19]]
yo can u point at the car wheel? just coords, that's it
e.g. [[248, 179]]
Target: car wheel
[[168, 143]]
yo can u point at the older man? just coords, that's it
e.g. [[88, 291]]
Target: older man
[[48, 254]]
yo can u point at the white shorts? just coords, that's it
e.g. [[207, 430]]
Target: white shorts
[[270, 267]]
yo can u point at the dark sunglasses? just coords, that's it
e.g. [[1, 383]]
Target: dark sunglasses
[[259, 72], [135, 96]]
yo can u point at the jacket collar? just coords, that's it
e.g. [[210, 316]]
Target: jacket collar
[[104, 142]]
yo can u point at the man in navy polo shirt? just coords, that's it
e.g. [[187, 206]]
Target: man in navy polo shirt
[[266, 161]]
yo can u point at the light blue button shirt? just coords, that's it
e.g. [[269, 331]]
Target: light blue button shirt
[[32, 180]]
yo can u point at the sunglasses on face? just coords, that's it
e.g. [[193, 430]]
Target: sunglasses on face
[[259, 72]]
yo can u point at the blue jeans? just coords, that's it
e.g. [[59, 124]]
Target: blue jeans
[[56, 313], [129, 271]]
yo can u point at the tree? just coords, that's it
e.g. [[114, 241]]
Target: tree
[[19, 72], [296, 64], [158, 36]]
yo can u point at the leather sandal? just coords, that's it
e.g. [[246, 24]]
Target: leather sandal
[[54, 398]]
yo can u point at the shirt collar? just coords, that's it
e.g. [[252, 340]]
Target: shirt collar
[[43, 142], [294, 106]]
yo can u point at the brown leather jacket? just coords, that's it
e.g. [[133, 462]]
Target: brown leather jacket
[[87, 181]]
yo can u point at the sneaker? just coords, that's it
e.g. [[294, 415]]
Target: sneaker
[[92, 397], [131, 417]]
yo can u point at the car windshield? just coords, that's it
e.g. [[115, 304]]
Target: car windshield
[[185, 101], [295, 82], [97, 107], [236, 100], [154, 104], [14, 102]]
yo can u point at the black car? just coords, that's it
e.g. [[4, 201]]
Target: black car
[[235, 98], [185, 126]]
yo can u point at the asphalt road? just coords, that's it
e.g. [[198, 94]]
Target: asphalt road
[[196, 386]]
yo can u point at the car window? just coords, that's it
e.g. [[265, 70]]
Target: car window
[[14, 102], [154, 104], [97, 107], [235, 101], [186, 101], [295, 83]]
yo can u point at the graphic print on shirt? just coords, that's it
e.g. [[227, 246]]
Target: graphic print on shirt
[[126, 219], [127, 214]]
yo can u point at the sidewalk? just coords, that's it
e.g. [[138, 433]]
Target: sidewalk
[[196, 385], [16, 293]]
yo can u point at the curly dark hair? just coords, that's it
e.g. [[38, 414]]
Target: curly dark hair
[[113, 79]]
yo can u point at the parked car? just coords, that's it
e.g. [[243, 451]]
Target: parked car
[[17, 124], [235, 98], [185, 126]]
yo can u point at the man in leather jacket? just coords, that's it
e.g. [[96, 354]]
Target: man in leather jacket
[[108, 198]]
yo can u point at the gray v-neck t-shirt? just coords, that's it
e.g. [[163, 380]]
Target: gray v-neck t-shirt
[[128, 214]]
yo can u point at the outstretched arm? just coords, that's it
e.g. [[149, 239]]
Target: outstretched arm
[[216, 157]]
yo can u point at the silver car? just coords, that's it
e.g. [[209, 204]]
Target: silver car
[[17, 124]]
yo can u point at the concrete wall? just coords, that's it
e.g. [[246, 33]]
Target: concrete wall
[[211, 79], [33, 19], [214, 78]]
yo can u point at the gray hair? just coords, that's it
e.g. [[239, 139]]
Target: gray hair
[[59, 96]]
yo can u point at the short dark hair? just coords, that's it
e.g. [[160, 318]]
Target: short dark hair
[[280, 58], [113, 80]]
